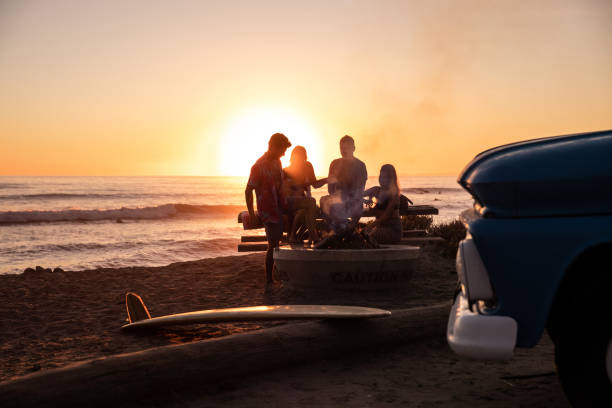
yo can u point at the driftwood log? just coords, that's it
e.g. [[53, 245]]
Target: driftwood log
[[173, 374]]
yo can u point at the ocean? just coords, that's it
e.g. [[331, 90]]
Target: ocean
[[81, 223]]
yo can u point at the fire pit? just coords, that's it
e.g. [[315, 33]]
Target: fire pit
[[383, 267]]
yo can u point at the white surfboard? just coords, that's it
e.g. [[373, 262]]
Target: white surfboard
[[139, 316]]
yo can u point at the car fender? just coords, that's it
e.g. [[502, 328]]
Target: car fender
[[527, 259]]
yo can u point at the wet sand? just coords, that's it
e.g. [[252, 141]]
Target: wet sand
[[49, 320]]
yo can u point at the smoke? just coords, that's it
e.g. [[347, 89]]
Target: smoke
[[415, 108], [339, 209], [465, 76]]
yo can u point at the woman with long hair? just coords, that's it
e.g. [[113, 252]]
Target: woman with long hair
[[298, 178], [387, 228]]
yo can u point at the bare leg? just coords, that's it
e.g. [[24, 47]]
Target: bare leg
[[310, 221], [269, 264], [274, 233], [307, 209], [297, 219]]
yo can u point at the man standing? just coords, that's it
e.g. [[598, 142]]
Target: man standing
[[266, 179], [346, 183]]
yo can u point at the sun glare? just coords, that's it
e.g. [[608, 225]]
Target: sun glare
[[246, 139]]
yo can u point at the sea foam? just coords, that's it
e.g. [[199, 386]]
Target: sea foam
[[124, 213]]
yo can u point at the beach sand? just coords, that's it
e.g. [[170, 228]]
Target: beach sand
[[49, 320]]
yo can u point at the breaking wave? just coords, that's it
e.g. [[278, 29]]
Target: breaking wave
[[430, 190], [67, 196], [56, 196], [10, 185], [120, 214]]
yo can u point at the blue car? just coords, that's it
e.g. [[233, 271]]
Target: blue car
[[538, 255]]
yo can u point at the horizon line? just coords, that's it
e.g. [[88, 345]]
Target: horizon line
[[211, 175]]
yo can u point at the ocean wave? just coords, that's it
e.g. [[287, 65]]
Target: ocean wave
[[120, 214], [91, 255], [57, 196], [66, 196], [10, 185], [430, 190], [187, 246]]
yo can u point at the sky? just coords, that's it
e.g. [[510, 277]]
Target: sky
[[197, 87]]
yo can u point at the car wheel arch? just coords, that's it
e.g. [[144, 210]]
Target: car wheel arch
[[573, 281]]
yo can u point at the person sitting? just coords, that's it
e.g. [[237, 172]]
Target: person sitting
[[298, 177], [346, 182], [387, 228]]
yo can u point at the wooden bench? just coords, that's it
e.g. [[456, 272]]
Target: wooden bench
[[263, 245], [254, 243], [412, 210], [262, 238]]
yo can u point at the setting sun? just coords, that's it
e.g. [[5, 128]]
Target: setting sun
[[246, 139]]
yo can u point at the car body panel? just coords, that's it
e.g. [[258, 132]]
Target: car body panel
[[558, 176], [527, 259]]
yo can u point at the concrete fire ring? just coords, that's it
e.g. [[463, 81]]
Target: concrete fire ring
[[363, 269]]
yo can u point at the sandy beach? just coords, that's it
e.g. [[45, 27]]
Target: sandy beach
[[50, 320]]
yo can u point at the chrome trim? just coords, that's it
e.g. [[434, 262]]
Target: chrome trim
[[470, 334], [473, 275]]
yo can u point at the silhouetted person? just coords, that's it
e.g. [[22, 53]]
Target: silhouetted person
[[346, 182], [266, 179], [299, 176], [387, 228]]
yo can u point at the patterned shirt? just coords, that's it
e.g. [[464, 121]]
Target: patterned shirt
[[266, 179]]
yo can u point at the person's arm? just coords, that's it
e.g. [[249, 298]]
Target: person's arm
[[248, 194], [372, 191], [286, 184], [386, 213], [369, 193], [315, 184], [320, 182], [331, 178], [312, 179], [364, 179]]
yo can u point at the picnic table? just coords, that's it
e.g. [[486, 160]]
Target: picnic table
[[253, 243]]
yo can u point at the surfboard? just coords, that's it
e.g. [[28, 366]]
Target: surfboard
[[139, 316]]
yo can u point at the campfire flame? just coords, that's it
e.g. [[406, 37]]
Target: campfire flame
[[348, 239]]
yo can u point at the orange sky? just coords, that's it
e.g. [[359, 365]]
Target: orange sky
[[196, 88]]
